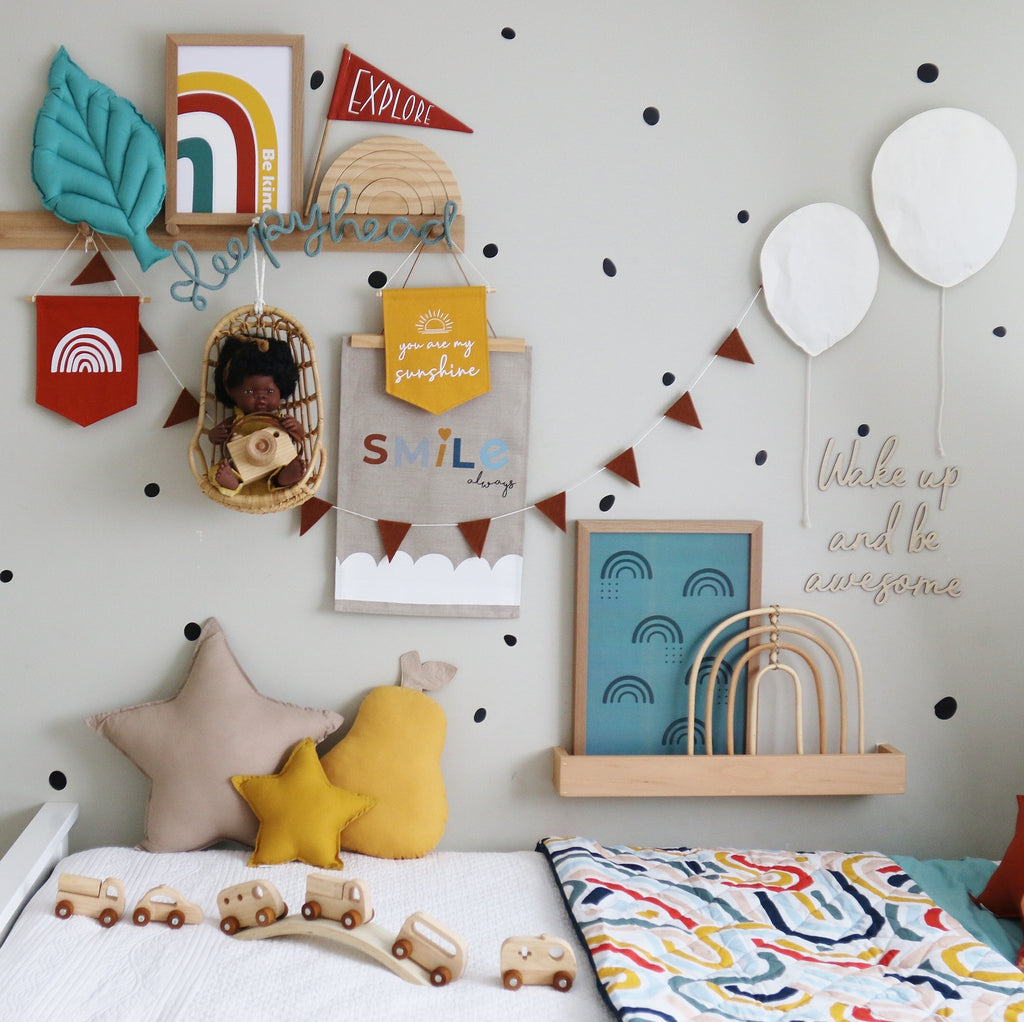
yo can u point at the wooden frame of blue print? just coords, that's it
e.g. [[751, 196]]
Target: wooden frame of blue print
[[647, 594]]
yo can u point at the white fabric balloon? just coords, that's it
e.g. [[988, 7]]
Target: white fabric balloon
[[945, 188], [819, 270]]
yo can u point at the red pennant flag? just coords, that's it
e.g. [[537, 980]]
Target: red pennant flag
[[365, 93], [392, 533], [185, 408], [685, 412], [96, 271], [734, 348], [476, 534], [554, 508], [625, 465], [87, 355], [146, 344], [312, 511]]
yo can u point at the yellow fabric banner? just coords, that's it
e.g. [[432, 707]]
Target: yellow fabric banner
[[435, 343]]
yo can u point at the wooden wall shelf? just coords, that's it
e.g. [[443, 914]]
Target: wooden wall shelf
[[883, 772], [40, 229]]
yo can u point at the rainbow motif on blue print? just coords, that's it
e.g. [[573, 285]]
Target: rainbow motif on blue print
[[653, 598]]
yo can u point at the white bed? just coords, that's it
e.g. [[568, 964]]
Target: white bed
[[128, 972]]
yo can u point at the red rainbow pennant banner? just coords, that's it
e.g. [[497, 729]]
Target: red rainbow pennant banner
[[87, 355], [365, 93]]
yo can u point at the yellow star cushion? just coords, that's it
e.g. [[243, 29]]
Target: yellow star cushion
[[301, 813]]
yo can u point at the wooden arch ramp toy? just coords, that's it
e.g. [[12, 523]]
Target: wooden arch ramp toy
[[369, 938]]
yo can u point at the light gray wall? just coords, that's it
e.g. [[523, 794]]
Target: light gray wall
[[765, 107]]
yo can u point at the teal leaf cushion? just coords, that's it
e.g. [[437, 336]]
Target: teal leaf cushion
[[96, 159]]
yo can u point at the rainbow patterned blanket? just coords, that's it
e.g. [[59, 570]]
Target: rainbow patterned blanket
[[717, 934]]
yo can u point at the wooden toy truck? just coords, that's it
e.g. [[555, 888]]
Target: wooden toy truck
[[87, 896], [430, 944], [347, 901], [253, 903], [537, 961]]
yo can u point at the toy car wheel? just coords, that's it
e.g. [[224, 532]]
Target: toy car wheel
[[176, 919], [140, 916], [351, 919], [107, 917], [229, 925], [512, 979], [562, 981], [441, 976], [311, 910], [401, 949], [64, 910], [265, 916]]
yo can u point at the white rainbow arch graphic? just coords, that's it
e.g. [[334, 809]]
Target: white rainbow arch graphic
[[229, 157], [86, 349], [658, 627], [628, 688]]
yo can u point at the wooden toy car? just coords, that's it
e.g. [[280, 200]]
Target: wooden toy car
[[164, 904], [347, 901], [431, 945], [87, 896], [537, 961], [253, 903]]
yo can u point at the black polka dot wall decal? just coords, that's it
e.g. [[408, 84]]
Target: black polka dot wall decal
[[927, 73], [652, 115], [668, 379], [606, 503], [609, 268], [510, 640], [490, 251], [192, 631], [508, 33], [945, 708], [316, 79], [760, 458], [58, 781], [743, 216], [6, 575], [863, 429], [1000, 331], [377, 279], [152, 489], [480, 715]]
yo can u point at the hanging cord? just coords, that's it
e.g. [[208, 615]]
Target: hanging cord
[[120, 265], [942, 371], [259, 266], [59, 259], [807, 442]]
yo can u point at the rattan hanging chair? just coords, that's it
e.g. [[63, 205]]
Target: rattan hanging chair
[[261, 497]]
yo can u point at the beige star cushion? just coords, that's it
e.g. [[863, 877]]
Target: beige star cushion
[[191, 745]]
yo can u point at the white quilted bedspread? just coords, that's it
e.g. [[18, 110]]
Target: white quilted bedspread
[[75, 970]]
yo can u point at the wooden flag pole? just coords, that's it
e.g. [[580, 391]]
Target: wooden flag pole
[[323, 143]]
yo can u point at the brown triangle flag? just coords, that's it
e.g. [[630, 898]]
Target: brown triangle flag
[[312, 511], [185, 408], [685, 412], [95, 272], [476, 534], [554, 508], [392, 533], [734, 348], [625, 465], [146, 344]]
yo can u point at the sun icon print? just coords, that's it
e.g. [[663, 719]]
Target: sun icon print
[[434, 321]]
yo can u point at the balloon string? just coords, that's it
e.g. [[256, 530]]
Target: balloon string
[[807, 442], [942, 370]]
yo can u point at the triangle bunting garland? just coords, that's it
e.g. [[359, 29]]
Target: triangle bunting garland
[[734, 348], [685, 412], [624, 465], [392, 533], [553, 508], [185, 408], [312, 511], [97, 271], [476, 534]]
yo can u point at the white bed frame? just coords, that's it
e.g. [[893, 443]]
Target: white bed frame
[[30, 860]]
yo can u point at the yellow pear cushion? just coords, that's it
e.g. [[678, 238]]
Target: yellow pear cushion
[[301, 813], [393, 753]]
